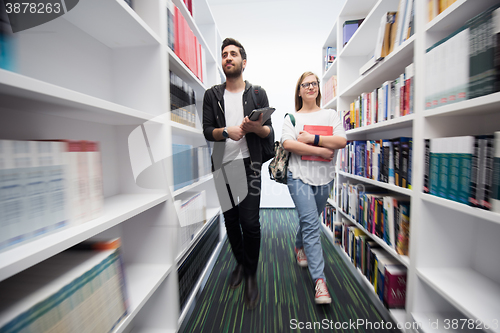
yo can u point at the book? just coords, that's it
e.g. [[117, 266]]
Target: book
[[495, 195], [383, 43], [486, 172], [319, 130], [403, 236], [395, 286], [482, 69], [53, 295], [349, 28]]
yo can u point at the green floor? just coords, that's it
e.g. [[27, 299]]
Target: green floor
[[287, 291]]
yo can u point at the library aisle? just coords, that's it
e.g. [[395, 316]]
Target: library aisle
[[287, 293]]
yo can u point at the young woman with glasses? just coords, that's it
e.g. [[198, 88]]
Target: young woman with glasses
[[311, 172]]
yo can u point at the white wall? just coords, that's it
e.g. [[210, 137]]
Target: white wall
[[283, 39]]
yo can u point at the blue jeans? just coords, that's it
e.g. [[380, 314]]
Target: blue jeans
[[310, 202]]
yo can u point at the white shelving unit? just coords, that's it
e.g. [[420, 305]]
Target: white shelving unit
[[452, 270], [98, 73]]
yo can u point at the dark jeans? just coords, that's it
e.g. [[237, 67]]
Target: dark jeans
[[243, 223]]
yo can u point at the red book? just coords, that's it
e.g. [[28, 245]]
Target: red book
[[395, 287], [320, 130]]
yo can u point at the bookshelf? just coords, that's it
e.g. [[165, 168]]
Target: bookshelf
[[78, 78], [452, 271]]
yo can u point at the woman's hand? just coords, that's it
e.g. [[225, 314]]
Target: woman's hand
[[326, 153], [306, 137]]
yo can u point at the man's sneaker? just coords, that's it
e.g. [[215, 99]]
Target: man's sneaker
[[322, 294], [301, 257]]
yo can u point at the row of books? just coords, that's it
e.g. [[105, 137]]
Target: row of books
[[46, 185], [329, 217], [464, 169], [383, 271], [466, 63], [191, 268], [183, 41], [387, 161], [182, 101], [393, 99], [82, 289], [329, 91], [436, 7], [405, 22], [189, 163], [394, 29], [189, 6], [330, 56], [383, 215], [192, 213]]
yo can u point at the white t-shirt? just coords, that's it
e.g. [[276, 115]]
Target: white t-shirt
[[312, 172], [234, 117]]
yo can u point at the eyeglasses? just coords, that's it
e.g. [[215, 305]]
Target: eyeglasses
[[306, 85]]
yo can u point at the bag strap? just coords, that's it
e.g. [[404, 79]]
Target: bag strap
[[292, 118], [255, 92]]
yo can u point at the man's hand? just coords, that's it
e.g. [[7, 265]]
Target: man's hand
[[235, 133], [249, 126]]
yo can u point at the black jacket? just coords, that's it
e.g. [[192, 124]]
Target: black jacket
[[214, 117]]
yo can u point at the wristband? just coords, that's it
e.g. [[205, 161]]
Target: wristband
[[316, 139]]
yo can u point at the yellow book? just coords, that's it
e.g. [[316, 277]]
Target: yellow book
[[353, 115], [443, 4]]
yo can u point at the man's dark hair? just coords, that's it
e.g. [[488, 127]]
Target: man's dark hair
[[232, 41]]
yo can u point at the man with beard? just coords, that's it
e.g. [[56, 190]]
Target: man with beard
[[238, 141]]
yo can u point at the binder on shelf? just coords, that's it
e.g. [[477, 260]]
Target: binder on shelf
[[349, 28]]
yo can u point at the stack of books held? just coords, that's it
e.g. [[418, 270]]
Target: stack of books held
[[46, 185], [79, 290], [464, 169]]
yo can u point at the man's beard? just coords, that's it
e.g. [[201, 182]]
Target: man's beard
[[233, 72]]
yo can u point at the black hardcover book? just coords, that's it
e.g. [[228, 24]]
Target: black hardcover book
[[396, 143], [487, 174], [404, 161], [427, 165], [474, 174]]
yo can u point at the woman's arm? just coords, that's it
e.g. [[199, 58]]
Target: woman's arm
[[328, 141], [301, 148]]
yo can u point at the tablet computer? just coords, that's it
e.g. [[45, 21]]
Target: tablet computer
[[266, 113]]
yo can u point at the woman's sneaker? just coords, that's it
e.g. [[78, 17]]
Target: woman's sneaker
[[301, 257], [322, 294]]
